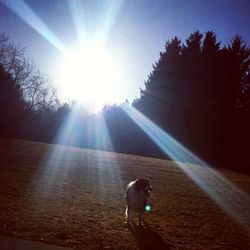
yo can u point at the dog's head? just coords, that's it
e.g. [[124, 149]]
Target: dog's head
[[143, 185]]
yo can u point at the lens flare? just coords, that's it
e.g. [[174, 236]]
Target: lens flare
[[148, 208]]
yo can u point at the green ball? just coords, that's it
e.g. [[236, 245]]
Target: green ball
[[148, 208]]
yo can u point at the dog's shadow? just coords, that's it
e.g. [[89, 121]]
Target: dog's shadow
[[147, 238]]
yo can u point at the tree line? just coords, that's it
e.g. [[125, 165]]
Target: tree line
[[198, 91]]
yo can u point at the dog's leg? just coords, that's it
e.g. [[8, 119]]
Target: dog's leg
[[141, 219], [128, 215], [127, 212]]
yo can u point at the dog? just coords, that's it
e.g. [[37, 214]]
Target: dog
[[136, 196]]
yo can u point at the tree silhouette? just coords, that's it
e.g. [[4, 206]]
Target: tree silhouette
[[12, 105], [36, 90], [24, 92], [199, 92]]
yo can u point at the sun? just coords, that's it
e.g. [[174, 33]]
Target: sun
[[90, 75]]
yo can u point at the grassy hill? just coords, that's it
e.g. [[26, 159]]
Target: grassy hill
[[74, 197]]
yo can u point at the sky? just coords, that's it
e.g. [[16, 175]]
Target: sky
[[133, 30]]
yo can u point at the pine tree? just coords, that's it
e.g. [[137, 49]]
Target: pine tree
[[199, 92]]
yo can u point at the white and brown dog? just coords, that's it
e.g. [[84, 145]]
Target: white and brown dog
[[137, 195]]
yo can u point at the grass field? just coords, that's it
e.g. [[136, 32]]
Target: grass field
[[74, 197]]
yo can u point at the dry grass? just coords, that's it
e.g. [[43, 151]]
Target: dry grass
[[74, 197]]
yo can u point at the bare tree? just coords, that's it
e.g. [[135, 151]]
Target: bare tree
[[36, 90]]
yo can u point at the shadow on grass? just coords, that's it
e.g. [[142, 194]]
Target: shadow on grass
[[147, 238]]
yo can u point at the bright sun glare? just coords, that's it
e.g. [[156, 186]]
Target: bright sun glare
[[90, 75]]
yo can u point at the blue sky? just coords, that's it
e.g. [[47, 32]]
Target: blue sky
[[136, 29]]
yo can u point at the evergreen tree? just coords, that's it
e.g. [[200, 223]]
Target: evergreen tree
[[199, 92]]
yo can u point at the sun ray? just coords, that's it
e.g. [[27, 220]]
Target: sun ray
[[227, 195], [24, 11], [78, 14], [57, 162], [110, 18]]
